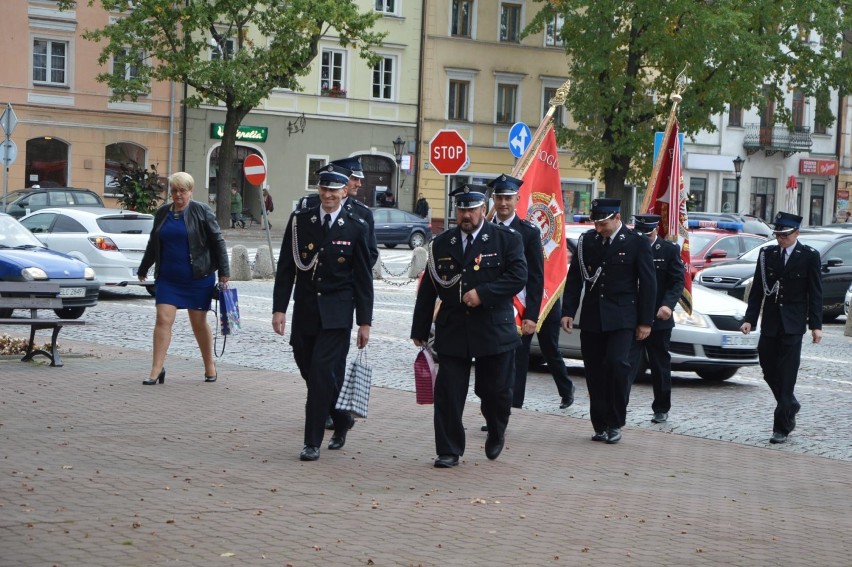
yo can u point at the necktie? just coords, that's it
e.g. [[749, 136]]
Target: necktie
[[326, 225], [784, 256], [606, 243], [468, 242]]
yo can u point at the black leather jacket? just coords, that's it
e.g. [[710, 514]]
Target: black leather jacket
[[207, 250]]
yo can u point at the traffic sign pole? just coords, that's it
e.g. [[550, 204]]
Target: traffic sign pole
[[8, 121]]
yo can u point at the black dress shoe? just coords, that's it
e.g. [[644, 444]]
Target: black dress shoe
[[778, 438], [446, 461], [309, 453], [338, 440], [568, 401], [600, 436], [329, 423], [494, 445], [613, 435], [660, 417]]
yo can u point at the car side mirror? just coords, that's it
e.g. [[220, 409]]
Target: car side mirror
[[833, 262], [717, 253]]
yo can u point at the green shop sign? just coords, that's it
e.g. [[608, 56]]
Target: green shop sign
[[246, 133]]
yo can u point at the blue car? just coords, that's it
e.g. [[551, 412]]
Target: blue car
[[24, 258]]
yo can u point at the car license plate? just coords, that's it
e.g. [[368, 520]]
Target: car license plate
[[739, 341], [72, 291]]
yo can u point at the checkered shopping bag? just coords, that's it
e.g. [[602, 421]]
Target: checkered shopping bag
[[354, 395]]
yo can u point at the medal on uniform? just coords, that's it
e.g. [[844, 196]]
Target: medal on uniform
[[341, 260], [311, 246], [477, 260]]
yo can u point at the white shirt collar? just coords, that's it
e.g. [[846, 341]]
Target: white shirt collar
[[334, 214], [506, 222]]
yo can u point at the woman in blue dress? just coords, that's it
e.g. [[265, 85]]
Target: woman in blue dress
[[186, 248]]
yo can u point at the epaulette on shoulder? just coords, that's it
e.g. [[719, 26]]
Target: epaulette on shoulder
[[527, 223], [810, 248], [303, 211]]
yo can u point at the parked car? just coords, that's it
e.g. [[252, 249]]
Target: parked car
[[395, 227], [750, 224], [24, 201], [714, 246], [23, 258], [708, 342], [835, 249], [111, 241]]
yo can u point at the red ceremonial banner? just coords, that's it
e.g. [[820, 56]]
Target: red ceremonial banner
[[540, 202], [668, 199]]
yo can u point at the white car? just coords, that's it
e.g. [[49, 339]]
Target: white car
[[111, 241]]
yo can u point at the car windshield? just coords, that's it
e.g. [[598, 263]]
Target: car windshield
[[14, 235], [751, 255], [126, 224], [698, 241]]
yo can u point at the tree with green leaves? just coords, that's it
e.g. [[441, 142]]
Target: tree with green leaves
[[624, 56], [257, 46]]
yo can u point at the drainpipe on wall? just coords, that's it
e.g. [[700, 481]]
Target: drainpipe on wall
[[418, 128]]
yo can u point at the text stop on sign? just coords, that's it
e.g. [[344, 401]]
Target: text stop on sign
[[447, 152]]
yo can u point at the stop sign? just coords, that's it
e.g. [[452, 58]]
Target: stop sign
[[254, 169], [447, 152]]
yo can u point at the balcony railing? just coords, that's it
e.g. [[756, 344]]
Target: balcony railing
[[777, 138]]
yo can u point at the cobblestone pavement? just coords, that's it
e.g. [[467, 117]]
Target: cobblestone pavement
[[737, 410], [98, 470]]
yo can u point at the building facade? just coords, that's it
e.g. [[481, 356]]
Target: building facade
[[68, 132], [346, 108]]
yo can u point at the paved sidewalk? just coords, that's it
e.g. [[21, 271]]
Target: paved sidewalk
[[96, 469]]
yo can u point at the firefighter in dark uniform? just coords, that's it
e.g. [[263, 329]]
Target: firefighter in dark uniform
[[505, 193], [324, 264], [668, 266], [355, 206], [475, 269], [615, 267], [787, 285]]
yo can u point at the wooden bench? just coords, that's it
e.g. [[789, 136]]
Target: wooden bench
[[35, 296]]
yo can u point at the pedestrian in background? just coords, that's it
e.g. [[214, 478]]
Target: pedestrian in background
[[475, 269], [355, 206], [422, 206], [788, 288], [615, 267], [186, 249], [669, 270], [236, 207], [267, 204], [505, 192], [324, 265]]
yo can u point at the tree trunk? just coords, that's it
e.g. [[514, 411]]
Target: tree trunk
[[233, 118], [613, 178]]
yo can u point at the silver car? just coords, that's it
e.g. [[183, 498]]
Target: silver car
[[708, 342], [111, 241]]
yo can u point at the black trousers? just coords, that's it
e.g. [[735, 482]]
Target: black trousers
[[779, 359], [493, 385], [548, 340], [320, 359], [606, 359], [656, 347]]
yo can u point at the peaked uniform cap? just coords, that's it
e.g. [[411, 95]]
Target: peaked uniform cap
[[506, 185], [469, 196], [353, 164], [786, 223], [333, 176], [646, 223], [603, 209]]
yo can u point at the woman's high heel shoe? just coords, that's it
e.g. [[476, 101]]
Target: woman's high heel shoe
[[161, 377], [211, 378]]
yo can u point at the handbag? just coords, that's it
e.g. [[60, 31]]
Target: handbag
[[425, 372], [354, 395]]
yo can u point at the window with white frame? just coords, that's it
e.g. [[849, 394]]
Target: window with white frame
[[314, 163], [50, 62], [510, 22], [333, 71], [507, 102], [389, 7], [126, 64], [384, 73], [461, 22], [552, 33]]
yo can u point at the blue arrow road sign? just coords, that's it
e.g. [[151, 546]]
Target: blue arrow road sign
[[519, 138]]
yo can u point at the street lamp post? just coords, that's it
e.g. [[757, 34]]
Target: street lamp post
[[398, 147], [738, 171]]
